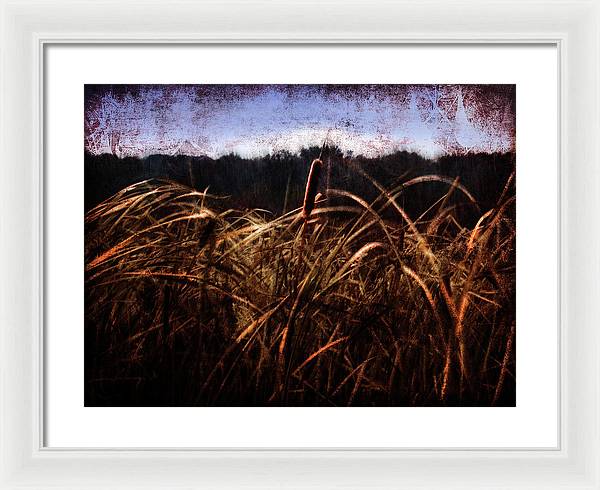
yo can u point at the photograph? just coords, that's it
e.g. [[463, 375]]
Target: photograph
[[299, 245]]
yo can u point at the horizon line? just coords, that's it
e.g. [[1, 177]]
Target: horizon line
[[346, 154]]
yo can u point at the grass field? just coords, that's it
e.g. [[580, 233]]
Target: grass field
[[354, 302]]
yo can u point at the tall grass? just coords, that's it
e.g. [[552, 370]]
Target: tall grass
[[191, 303]]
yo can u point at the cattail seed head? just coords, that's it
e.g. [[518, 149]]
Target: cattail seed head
[[311, 187]]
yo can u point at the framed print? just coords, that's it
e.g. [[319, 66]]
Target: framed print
[[249, 246], [389, 156]]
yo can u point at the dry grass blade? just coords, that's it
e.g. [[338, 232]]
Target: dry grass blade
[[314, 355], [259, 321], [504, 368], [440, 178]]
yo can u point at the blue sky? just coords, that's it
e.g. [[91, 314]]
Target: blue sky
[[432, 120]]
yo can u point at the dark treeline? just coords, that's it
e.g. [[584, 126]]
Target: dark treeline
[[276, 182]]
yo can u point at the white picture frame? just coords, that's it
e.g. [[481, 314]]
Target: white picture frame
[[27, 27]]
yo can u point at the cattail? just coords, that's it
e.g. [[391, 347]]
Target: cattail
[[311, 188]]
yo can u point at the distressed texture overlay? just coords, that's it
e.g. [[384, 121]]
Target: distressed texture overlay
[[254, 120], [300, 245]]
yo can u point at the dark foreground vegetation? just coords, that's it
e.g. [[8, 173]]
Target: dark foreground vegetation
[[398, 290]]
